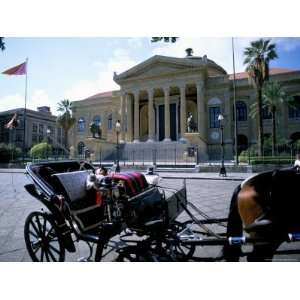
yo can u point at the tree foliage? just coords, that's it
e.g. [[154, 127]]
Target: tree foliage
[[65, 119], [41, 150], [2, 44], [164, 39], [257, 61], [8, 152]]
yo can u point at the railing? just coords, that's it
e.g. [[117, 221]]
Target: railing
[[177, 157]]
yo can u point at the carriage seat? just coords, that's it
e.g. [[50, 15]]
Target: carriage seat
[[73, 184], [82, 202]]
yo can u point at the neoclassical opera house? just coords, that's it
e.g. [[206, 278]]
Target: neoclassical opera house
[[160, 96]]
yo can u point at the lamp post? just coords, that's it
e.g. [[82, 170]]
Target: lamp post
[[48, 131], [118, 130], [222, 169]]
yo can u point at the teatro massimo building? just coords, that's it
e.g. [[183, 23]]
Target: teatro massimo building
[[156, 98]]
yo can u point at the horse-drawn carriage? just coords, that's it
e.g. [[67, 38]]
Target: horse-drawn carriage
[[127, 207]]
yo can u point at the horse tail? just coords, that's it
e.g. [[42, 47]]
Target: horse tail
[[234, 228]]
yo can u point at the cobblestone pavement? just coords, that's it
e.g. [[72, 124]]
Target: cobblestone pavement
[[211, 196]]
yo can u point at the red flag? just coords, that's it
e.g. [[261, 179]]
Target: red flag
[[13, 123], [17, 70]]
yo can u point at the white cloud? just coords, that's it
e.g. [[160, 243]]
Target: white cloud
[[119, 62], [135, 43], [39, 97], [11, 102], [217, 49], [287, 44]]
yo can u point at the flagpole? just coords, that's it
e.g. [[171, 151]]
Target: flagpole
[[24, 116], [234, 109]]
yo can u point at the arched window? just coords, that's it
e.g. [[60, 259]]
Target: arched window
[[97, 120], [294, 109], [241, 111], [80, 148], [213, 111], [242, 142], [109, 122], [81, 124]]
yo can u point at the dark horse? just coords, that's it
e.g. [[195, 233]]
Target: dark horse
[[267, 206]]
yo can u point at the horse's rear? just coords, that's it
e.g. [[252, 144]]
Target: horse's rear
[[266, 206]]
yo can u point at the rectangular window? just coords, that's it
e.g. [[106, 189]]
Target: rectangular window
[[34, 139], [213, 117], [41, 129], [110, 122], [34, 128], [294, 109], [19, 137]]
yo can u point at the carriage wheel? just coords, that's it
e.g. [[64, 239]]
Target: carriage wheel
[[183, 252], [41, 238]]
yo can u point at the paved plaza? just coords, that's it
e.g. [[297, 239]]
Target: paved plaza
[[211, 195]]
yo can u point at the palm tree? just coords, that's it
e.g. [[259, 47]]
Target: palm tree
[[257, 59], [2, 44], [273, 97], [65, 119]]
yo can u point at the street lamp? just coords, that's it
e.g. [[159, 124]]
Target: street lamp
[[48, 131], [222, 169], [118, 130]]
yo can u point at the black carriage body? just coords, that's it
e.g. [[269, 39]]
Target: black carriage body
[[141, 205]]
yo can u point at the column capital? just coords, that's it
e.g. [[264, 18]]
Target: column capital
[[182, 86], [135, 93], [123, 93], [200, 84], [150, 91], [166, 89]]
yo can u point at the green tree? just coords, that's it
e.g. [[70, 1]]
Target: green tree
[[164, 39], [65, 119], [2, 44], [257, 59], [41, 150], [273, 97]]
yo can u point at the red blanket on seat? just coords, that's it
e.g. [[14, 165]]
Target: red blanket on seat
[[134, 182]]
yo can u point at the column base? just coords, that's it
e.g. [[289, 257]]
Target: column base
[[150, 140], [122, 141], [166, 140], [136, 141], [183, 140]]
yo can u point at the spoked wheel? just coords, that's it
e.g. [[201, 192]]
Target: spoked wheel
[[41, 238], [183, 252]]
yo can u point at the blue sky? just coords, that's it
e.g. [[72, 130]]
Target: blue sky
[[76, 68]]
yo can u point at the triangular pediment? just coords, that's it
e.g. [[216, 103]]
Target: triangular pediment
[[158, 66], [157, 69]]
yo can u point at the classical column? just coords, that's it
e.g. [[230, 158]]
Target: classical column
[[123, 120], [151, 116], [167, 114], [201, 110], [129, 117], [136, 117], [183, 120]]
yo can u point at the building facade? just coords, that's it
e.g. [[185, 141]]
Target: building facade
[[40, 127], [158, 97]]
